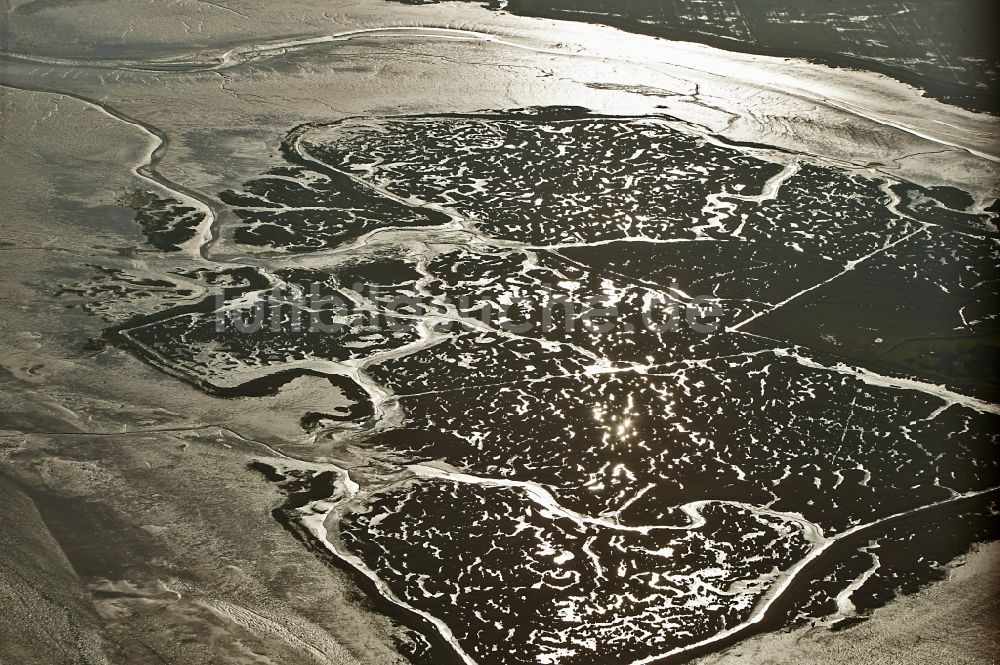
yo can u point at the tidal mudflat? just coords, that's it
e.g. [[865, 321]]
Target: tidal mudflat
[[385, 333]]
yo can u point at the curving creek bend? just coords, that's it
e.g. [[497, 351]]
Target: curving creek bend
[[815, 437]]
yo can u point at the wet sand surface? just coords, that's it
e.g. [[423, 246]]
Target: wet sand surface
[[951, 621], [441, 462], [945, 48]]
